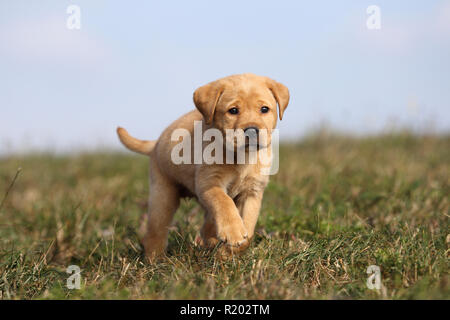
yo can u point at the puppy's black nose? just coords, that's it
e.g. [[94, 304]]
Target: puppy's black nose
[[250, 131], [251, 136]]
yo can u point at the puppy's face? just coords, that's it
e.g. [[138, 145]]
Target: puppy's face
[[245, 105]]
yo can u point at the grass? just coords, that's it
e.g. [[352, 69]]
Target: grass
[[338, 205]]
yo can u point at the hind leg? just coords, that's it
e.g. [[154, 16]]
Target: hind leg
[[164, 201]]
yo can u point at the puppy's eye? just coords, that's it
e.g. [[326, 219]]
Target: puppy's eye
[[264, 109], [234, 111]]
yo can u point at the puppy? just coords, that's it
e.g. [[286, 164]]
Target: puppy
[[230, 193]]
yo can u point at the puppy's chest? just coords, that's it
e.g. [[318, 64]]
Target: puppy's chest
[[247, 184]]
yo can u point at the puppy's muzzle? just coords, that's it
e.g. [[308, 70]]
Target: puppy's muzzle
[[251, 136]]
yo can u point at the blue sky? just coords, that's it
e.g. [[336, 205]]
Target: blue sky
[[137, 63]]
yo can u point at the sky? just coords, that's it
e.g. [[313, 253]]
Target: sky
[[137, 63]]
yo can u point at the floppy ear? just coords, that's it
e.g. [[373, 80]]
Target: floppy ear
[[206, 98], [281, 94]]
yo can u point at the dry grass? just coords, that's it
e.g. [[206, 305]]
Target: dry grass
[[337, 206]]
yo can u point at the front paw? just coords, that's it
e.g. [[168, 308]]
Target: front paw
[[233, 234], [208, 243]]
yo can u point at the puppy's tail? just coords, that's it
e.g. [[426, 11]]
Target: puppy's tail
[[136, 145]]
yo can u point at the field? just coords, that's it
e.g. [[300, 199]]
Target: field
[[338, 205]]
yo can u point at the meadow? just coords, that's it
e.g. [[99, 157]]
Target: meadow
[[338, 205]]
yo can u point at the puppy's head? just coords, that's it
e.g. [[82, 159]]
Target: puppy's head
[[244, 103]]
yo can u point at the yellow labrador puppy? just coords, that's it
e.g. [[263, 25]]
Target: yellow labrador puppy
[[230, 193]]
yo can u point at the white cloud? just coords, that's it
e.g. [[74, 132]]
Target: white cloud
[[49, 40], [442, 22], [404, 35]]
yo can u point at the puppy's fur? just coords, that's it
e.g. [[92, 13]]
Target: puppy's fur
[[230, 194]]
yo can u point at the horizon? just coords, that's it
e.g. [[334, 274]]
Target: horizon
[[137, 66]]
